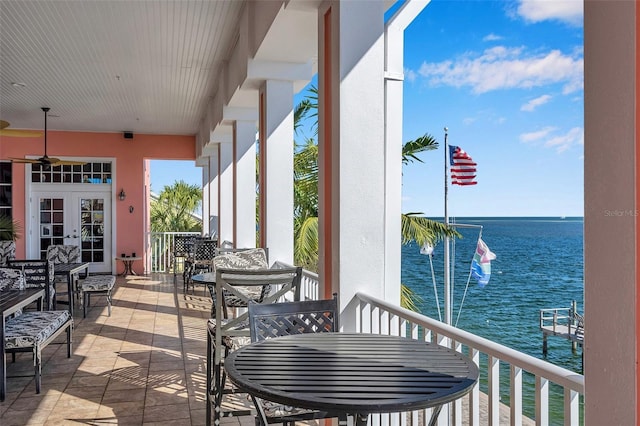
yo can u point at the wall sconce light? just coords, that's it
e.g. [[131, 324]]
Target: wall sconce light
[[122, 195]]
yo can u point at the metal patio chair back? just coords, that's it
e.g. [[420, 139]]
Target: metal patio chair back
[[38, 274], [225, 332], [65, 253], [283, 319]]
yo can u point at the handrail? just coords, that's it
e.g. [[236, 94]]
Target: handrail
[[379, 316], [556, 374]]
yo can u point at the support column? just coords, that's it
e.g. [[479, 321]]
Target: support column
[[276, 169], [244, 209], [214, 193], [225, 190], [394, 80], [206, 194], [352, 129]]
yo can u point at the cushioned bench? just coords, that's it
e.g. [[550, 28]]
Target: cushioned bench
[[33, 331], [96, 284]]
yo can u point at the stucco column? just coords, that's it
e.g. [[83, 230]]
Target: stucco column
[[352, 147], [225, 188], [612, 213], [276, 180], [214, 196], [206, 195], [245, 183]]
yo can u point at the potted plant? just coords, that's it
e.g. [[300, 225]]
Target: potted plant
[[9, 229]]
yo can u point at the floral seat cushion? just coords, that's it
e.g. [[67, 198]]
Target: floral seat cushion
[[7, 251], [11, 279], [230, 342], [98, 283], [32, 328], [246, 259]]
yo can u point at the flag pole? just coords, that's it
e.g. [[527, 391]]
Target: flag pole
[[447, 278]]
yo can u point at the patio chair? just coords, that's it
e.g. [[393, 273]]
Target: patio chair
[[204, 250], [182, 249], [65, 253], [38, 274], [7, 252], [239, 287], [283, 319], [237, 258]]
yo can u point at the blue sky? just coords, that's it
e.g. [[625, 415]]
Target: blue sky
[[506, 78]]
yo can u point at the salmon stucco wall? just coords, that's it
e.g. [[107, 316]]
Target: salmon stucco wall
[[131, 174]]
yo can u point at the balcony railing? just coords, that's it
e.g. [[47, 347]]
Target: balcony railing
[[377, 316], [160, 256], [371, 315]]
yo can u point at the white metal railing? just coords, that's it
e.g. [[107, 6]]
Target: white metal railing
[[310, 285], [377, 316], [159, 247]]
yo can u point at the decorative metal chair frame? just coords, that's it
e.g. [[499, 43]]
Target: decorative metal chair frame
[[66, 253], [204, 250], [38, 274], [182, 248], [223, 332], [283, 319], [252, 258]]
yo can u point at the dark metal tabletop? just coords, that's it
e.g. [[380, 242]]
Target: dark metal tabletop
[[13, 300], [352, 372]]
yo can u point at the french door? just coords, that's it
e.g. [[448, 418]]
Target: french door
[[79, 218]]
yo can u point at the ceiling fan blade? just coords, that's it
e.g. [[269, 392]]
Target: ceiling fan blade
[[67, 162], [25, 160], [11, 133]]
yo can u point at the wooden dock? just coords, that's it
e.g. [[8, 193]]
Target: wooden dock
[[562, 322]]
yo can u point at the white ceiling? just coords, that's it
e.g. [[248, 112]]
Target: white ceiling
[[110, 66]]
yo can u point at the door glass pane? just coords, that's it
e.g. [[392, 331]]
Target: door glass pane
[[92, 227], [51, 223]]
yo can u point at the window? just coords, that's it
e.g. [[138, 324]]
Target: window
[[86, 173], [5, 189]]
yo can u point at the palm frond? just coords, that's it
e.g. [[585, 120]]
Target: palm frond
[[421, 144], [409, 299], [423, 230], [306, 243]]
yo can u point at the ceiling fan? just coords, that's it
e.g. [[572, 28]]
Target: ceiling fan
[[4, 131], [45, 160]]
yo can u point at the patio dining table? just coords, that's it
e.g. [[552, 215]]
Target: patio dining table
[[353, 373]]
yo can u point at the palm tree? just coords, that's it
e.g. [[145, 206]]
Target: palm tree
[[414, 227], [174, 209]]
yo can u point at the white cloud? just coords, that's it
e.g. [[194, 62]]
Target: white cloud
[[537, 135], [469, 120], [568, 11], [410, 75], [560, 143], [492, 37], [505, 68], [535, 103]]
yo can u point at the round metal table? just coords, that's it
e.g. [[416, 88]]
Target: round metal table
[[354, 373]]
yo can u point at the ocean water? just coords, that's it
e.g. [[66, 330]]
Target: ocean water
[[539, 265]]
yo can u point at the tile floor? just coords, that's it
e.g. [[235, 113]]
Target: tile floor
[[144, 365]]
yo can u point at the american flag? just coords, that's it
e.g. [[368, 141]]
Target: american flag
[[463, 168]]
